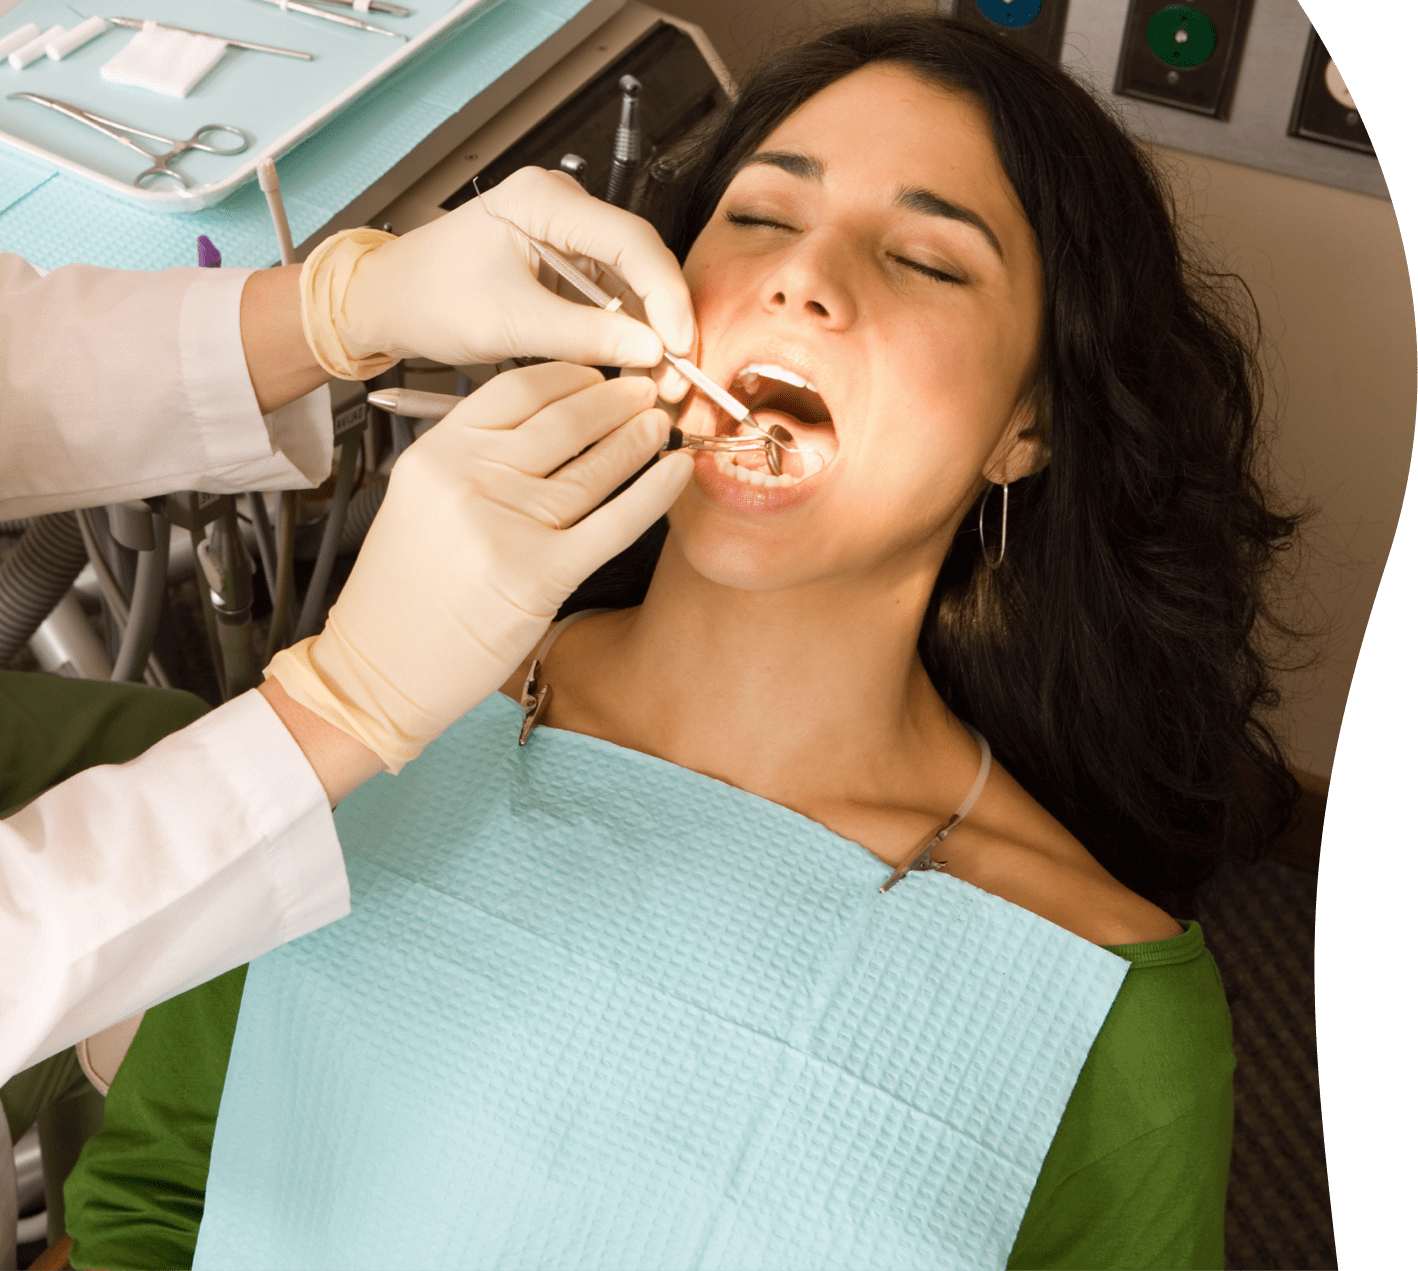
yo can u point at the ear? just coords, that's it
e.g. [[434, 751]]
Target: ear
[[1024, 448]]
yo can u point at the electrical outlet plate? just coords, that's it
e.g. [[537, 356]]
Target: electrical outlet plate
[[1183, 55], [1323, 110], [1036, 24]]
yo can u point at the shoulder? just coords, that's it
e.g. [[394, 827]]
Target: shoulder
[[1071, 890], [1136, 1173], [1011, 847], [1164, 1052]]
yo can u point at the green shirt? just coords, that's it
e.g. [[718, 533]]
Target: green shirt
[[1135, 1177]]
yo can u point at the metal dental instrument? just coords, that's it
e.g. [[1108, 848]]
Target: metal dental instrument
[[575, 167], [625, 155], [137, 24], [310, 11], [375, 6], [161, 169], [412, 403], [772, 441]]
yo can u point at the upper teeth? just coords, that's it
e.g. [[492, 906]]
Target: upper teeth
[[772, 372]]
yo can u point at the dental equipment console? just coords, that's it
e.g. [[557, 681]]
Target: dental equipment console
[[678, 88]]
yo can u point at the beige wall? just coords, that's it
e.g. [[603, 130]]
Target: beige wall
[[1327, 271]]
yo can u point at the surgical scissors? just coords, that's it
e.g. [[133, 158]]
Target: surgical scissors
[[161, 169]]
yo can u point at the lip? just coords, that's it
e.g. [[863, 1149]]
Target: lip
[[727, 491], [742, 497]]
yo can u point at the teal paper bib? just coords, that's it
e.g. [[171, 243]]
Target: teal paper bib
[[594, 1010]]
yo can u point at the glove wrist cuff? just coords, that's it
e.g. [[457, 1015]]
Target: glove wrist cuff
[[324, 282], [327, 677]]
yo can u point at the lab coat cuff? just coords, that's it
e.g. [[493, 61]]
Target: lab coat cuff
[[290, 448], [307, 867], [222, 403]]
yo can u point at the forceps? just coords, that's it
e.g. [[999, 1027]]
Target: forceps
[[161, 169]]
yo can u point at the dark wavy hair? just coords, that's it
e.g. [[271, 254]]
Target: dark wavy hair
[[1117, 658]]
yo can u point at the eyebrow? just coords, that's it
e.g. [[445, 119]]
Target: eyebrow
[[913, 200], [798, 165], [933, 205]]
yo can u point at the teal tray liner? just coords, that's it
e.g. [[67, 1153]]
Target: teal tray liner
[[52, 218]]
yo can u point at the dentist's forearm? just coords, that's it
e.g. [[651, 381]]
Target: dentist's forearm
[[280, 363], [341, 763]]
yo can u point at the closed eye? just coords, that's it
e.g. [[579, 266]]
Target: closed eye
[[938, 274], [745, 218], [764, 222]]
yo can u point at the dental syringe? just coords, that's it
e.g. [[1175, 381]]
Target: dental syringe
[[413, 403]]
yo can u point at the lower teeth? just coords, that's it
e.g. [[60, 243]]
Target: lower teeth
[[813, 462]]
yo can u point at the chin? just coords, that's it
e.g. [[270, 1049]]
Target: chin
[[738, 557]]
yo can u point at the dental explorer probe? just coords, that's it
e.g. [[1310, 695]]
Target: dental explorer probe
[[772, 441], [310, 11], [413, 403], [137, 24], [374, 6]]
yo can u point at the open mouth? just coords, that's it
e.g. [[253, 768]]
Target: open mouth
[[778, 396]]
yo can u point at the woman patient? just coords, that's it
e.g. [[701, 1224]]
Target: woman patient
[[633, 995]]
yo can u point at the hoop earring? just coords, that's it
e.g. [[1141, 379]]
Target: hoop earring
[[1003, 527]]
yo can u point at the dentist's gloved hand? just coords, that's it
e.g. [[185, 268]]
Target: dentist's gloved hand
[[479, 540], [465, 288]]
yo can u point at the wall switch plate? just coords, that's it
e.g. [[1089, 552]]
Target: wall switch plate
[[1323, 110], [1036, 24], [1183, 55]]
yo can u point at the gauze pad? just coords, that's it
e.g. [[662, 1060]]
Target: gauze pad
[[164, 61]]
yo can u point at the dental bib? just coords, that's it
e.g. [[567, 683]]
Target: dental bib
[[594, 1010]]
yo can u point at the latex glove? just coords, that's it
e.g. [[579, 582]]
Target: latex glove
[[465, 288], [480, 539]]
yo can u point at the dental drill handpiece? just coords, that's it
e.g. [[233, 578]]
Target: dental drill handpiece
[[575, 167], [625, 153]]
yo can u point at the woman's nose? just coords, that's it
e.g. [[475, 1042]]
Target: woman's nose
[[811, 284]]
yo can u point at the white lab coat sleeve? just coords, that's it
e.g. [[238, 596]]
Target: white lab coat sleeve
[[119, 385], [128, 884]]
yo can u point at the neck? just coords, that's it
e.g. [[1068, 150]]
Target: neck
[[733, 682]]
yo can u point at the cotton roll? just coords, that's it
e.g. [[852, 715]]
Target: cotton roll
[[58, 49], [34, 50], [18, 39]]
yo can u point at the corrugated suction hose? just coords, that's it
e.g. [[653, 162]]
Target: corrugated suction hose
[[360, 515], [36, 576]]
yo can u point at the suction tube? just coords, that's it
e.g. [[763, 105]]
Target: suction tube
[[36, 576]]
